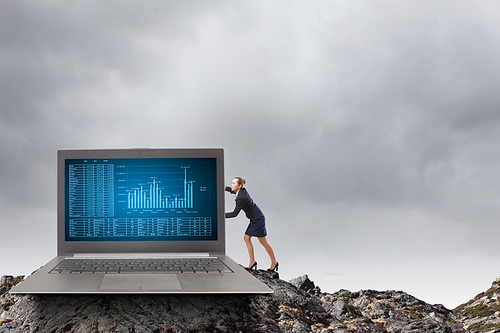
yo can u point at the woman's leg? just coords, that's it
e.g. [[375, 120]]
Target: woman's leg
[[269, 249], [248, 242]]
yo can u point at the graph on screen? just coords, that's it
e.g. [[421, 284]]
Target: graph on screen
[[156, 195]]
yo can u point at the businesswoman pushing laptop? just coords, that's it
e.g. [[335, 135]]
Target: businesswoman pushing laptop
[[257, 225]]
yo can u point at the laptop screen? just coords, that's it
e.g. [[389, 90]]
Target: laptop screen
[[140, 200]]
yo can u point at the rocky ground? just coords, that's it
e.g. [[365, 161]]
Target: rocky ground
[[295, 306], [482, 314]]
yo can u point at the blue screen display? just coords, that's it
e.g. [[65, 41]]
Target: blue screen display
[[140, 199]]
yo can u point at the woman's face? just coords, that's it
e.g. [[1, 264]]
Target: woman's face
[[235, 187]]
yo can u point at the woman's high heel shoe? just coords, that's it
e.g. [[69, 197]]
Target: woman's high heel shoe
[[275, 268], [253, 267]]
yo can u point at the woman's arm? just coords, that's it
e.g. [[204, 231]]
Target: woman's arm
[[237, 209]]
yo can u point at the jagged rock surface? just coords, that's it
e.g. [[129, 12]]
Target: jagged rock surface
[[482, 314], [387, 311], [295, 306]]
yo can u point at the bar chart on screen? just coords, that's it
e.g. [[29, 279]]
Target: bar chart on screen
[[170, 190]]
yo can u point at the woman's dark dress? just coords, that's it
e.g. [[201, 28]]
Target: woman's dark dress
[[257, 225]]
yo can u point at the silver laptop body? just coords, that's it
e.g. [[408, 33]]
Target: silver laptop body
[[162, 209]]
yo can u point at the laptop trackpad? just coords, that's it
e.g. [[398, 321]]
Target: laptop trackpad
[[140, 282]]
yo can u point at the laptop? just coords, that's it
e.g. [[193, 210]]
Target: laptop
[[140, 221]]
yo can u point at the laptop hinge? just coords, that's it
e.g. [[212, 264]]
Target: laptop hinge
[[141, 255]]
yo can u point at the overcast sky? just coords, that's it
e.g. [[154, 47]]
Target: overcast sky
[[368, 131]]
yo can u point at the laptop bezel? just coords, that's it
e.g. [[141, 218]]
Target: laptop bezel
[[65, 248]]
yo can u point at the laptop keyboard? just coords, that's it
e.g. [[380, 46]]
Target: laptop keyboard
[[150, 265]]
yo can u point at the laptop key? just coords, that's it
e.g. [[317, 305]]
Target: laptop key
[[212, 270], [150, 269]]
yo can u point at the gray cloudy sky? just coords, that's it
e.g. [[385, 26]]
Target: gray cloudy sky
[[368, 131]]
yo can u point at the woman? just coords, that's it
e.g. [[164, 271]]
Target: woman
[[257, 225]]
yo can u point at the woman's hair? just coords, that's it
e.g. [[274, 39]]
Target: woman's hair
[[240, 180]]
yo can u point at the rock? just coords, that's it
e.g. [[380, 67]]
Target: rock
[[8, 281], [496, 283], [482, 314], [389, 311], [288, 309], [303, 283], [426, 326], [295, 306]]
